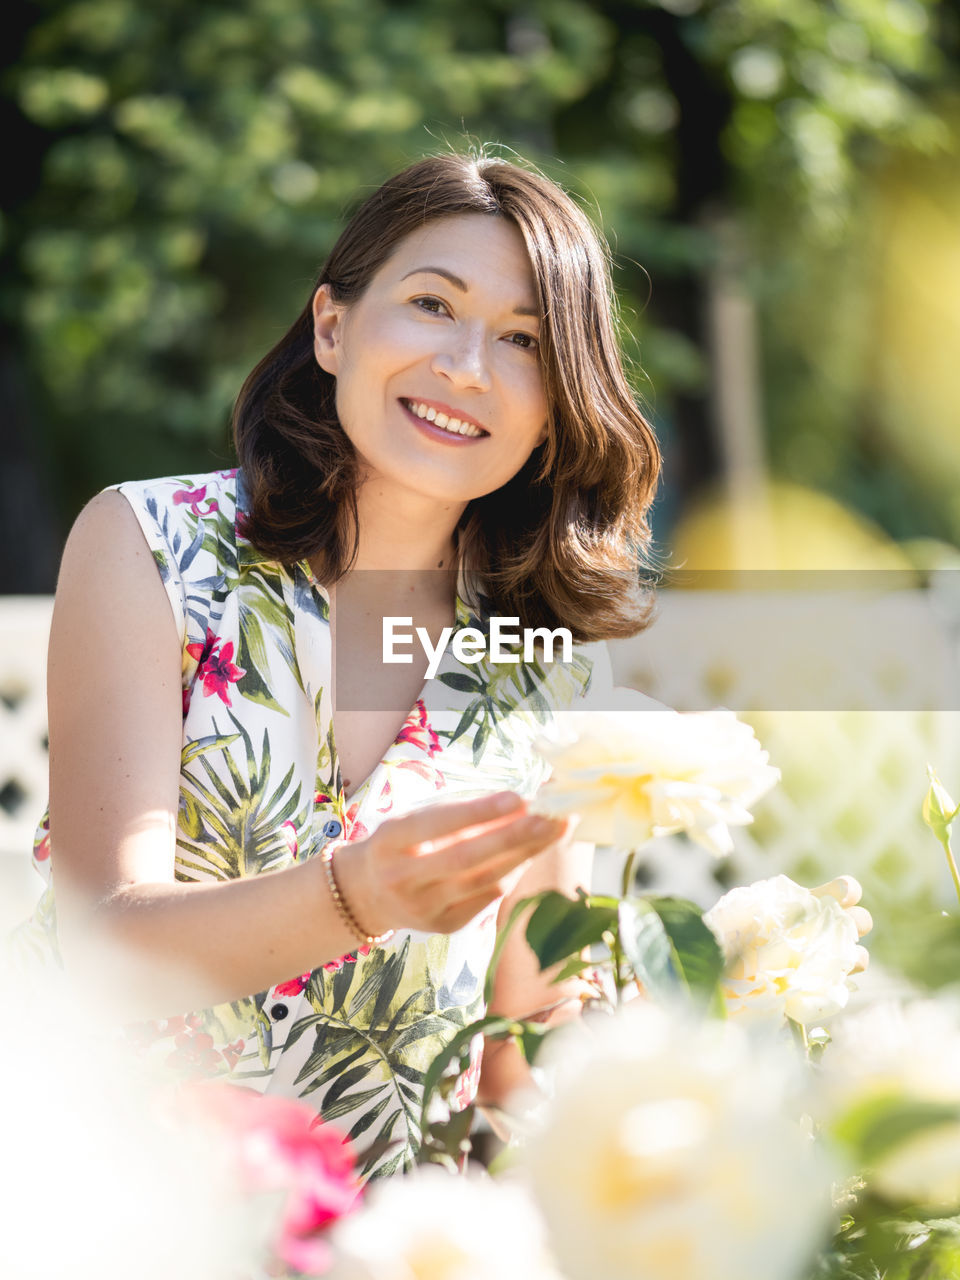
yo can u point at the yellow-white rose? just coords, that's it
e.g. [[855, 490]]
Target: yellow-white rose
[[435, 1226], [645, 771], [789, 952], [667, 1153], [100, 1181], [907, 1052]]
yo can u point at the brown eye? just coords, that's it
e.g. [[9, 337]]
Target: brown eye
[[526, 341], [434, 306]]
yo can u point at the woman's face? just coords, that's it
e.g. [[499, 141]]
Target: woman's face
[[439, 379]]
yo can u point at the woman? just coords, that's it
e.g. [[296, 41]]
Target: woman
[[444, 435]]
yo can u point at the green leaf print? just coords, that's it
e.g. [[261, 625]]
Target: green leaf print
[[460, 681], [263, 612], [374, 1040], [230, 825]]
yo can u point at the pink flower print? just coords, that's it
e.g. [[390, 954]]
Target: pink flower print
[[355, 829], [41, 845], [194, 1049], [231, 1054], [293, 987], [193, 497], [217, 671], [466, 1087], [185, 698], [417, 731], [289, 833], [386, 798], [333, 966], [321, 798]]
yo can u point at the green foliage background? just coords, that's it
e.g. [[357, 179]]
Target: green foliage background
[[184, 167]]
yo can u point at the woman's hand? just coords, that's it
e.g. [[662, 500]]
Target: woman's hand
[[848, 893], [435, 869]]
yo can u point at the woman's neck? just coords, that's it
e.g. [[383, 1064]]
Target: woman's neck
[[404, 531]]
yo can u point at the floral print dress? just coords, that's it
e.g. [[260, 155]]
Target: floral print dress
[[260, 789]]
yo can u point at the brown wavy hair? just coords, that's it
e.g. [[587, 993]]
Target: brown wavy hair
[[561, 544]]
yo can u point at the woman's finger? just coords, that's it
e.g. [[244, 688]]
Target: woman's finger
[[439, 824], [478, 858], [495, 867], [862, 959]]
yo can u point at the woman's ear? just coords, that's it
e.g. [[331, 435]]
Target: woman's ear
[[327, 320]]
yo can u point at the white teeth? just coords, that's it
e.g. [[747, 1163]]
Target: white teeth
[[454, 425]]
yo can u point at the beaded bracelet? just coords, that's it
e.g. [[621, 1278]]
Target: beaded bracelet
[[346, 915]]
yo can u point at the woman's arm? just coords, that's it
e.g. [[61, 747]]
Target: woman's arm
[[115, 737], [520, 989]]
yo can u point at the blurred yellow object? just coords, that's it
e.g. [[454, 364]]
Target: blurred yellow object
[[913, 365], [785, 526]]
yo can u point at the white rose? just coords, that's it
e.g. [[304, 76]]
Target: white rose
[[908, 1052], [789, 952], [649, 771], [667, 1153], [435, 1226], [100, 1180]]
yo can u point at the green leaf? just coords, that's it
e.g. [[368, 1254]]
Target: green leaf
[[503, 934], [573, 966], [668, 946], [647, 947], [695, 946], [561, 927], [874, 1128], [454, 1059]]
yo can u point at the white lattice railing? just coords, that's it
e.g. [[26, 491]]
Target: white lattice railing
[[853, 777], [24, 624]]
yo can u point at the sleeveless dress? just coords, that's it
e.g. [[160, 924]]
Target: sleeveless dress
[[260, 789]]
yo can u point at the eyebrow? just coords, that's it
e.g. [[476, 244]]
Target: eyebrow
[[463, 286]]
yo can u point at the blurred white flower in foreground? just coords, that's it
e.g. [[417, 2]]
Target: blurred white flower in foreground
[[901, 1052], [668, 1153], [646, 771], [789, 951], [436, 1226], [99, 1179]]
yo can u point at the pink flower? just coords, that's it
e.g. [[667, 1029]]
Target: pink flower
[[281, 1145], [216, 671], [193, 498], [417, 731], [293, 987]]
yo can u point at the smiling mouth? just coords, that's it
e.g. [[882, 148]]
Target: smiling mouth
[[443, 421]]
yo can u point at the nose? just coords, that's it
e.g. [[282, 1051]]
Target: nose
[[463, 360]]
